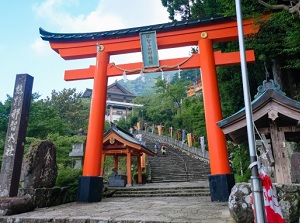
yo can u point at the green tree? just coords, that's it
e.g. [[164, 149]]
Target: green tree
[[239, 159], [276, 49], [178, 8], [71, 108], [44, 119], [191, 117], [4, 117]]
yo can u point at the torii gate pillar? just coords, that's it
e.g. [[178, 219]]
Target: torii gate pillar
[[91, 183], [221, 180]]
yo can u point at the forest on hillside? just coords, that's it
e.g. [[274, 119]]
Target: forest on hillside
[[277, 51]]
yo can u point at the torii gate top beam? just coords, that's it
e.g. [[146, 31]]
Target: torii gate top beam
[[169, 35]]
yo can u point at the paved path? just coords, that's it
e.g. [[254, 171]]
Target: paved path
[[132, 210]]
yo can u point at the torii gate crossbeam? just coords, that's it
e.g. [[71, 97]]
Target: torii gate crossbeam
[[200, 32]]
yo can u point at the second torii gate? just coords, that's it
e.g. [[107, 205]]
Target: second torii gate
[[197, 32]]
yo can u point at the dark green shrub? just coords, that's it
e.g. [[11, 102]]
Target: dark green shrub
[[68, 177], [240, 160]]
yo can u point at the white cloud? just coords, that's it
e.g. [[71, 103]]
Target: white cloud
[[91, 23], [97, 20], [108, 15], [40, 47]]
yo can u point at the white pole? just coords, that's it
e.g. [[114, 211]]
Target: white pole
[[255, 180]]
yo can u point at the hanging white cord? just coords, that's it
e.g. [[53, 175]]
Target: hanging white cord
[[124, 76], [263, 141], [142, 75]]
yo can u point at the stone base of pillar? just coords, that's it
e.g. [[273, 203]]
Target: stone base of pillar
[[90, 189], [220, 186]]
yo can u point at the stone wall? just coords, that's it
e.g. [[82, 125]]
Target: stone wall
[[288, 196]]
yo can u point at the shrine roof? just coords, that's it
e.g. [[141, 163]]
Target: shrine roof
[[170, 26], [126, 136], [269, 98], [117, 88], [114, 88]]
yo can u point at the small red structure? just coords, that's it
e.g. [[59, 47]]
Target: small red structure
[[118, 142]]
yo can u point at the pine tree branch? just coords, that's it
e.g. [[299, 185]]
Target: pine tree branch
[[280, 6], [290, 8]]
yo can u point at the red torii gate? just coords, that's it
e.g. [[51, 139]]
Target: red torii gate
[[201, 32]]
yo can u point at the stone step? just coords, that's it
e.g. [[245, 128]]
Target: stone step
[[176, 166], [178, 178], [161, 192], [176, 173], [158, 180], [162, 187], [177, 194]]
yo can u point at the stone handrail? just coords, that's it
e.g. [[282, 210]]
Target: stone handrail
[[179, 144]]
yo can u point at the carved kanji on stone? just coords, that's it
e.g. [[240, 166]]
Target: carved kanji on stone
[[39, 168], [15, 137]]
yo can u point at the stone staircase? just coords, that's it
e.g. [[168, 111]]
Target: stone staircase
[[176, 174], [162, 191], [176, 166]]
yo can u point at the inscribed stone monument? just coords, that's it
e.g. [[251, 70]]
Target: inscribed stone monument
[[39, 169], [15, 137]]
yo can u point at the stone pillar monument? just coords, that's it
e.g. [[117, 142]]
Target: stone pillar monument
[[15, 137]]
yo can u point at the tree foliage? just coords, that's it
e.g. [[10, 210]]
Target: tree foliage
[[57, 118], [178, 7], [276, 47], [43, 120], [71, 108], [191, 118], [65, 112], [169, 106], [4, 117], [292, 6]]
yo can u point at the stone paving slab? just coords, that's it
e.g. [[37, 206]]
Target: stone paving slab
[[198, 209], [131, 210]]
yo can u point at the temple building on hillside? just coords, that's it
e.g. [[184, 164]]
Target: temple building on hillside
[[195, 89], [119, 101]]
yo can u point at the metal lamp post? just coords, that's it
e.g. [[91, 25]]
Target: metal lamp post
[[255, 180]]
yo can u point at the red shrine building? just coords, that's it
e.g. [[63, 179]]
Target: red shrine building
[[202, 33]]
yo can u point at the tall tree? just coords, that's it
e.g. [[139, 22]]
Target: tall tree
[[4, 117], [292, 6], [191, 117], [276, 45], [72, 109], [43, 120], [178, 8]]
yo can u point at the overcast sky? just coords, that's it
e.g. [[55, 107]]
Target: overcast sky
[[23, 51]]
